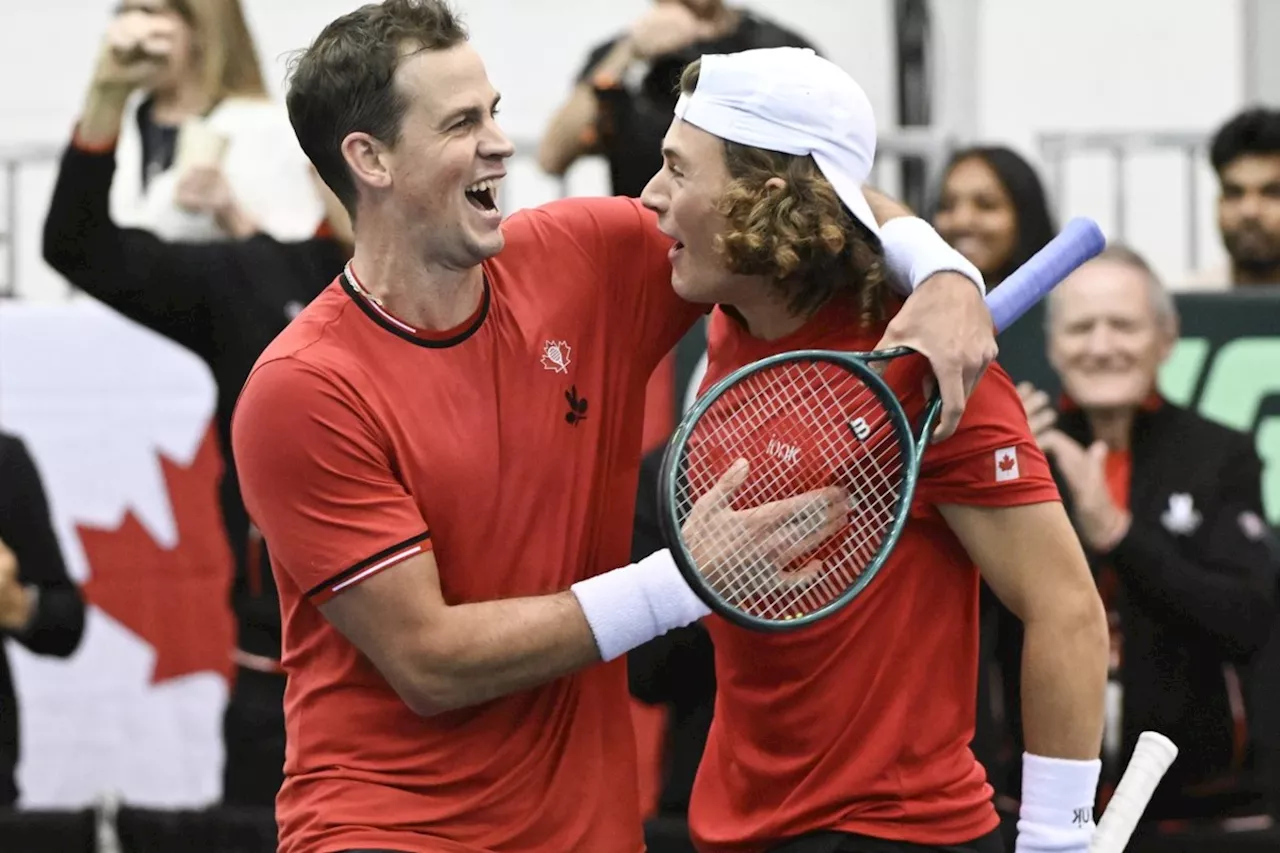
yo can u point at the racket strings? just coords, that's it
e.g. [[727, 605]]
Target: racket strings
[[759, 578], [865, 519], [802, 426]]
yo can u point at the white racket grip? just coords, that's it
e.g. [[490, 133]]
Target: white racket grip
[[1151, 759]]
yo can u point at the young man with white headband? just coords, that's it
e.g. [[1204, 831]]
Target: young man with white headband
[[853, 734], [441, 453]]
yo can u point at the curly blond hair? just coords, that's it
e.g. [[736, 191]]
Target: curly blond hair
[[800, 235]]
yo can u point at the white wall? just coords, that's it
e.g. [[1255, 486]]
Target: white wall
[[1092, 65]]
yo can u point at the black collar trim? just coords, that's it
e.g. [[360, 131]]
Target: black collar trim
[[402, 329]]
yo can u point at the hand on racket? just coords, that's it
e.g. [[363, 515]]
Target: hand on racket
[[948, 322], [770, 536], [807, 421]]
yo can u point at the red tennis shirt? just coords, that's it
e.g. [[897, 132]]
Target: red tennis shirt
[[510, 447], [862, 722]]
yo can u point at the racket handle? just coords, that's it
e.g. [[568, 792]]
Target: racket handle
[[1080, 240], [1151, 759]]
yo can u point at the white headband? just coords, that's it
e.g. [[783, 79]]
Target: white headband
[[790, 100]]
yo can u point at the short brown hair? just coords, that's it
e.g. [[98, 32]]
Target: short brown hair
[[802, 237], [345, 81]]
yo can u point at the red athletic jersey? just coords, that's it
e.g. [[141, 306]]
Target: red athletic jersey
[[510, 447], [862, 722]]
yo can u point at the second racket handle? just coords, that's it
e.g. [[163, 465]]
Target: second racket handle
[[1080, 240], [1151, 759]]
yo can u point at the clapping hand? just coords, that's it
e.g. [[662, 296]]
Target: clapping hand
[[1100, 523]]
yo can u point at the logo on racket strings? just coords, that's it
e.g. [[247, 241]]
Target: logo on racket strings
[[861, 429], [787, 453]]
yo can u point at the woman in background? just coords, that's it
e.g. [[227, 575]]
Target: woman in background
[[203, 154], [992, 209], [185, 203]]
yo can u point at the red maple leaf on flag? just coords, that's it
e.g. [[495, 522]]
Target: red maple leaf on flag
[[1006, 462], [175, 599]]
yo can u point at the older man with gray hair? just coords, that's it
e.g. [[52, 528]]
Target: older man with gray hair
[[1168, 506]]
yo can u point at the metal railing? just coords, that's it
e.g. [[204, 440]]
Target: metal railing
[[13, 160], [1058, 148]]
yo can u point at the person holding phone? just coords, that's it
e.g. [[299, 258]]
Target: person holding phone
[[203, 153]]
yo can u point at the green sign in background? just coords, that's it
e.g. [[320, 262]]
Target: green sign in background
[[1226, 367]]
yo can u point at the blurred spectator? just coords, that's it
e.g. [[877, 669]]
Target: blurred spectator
[[1169, 508], [1245, 154], [224, 301], [992, 209], [203, 153], [626, 92], [40, 607]]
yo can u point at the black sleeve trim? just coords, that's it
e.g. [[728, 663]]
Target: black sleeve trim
[[389, 556]]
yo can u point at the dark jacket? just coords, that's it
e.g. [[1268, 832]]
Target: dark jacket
[[633, 119], [222, 301], [1197, 589], [676, 670], [27, 529]]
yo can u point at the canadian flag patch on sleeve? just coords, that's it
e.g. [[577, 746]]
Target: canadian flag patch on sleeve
[[1006, 464]]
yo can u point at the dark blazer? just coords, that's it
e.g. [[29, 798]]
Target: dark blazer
[[26, 528], [1197, 602]]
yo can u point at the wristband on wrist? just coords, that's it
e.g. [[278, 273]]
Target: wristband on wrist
[[914, 251], [1057, 803], [628, 607]]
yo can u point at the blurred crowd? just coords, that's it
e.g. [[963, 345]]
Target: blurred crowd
[[184, 203]]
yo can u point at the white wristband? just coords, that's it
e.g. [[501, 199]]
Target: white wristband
[[914, 251], [628, 607], [1058, 796]]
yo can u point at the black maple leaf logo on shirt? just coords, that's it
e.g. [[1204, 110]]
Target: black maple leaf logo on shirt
[[577, 407]]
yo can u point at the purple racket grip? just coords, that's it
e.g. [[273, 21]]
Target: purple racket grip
[[1080, 240]]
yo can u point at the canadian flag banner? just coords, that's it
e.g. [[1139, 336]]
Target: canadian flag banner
[[118, 420]]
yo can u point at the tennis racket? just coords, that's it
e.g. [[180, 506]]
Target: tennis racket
[[1151, 759], [787, 485]]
